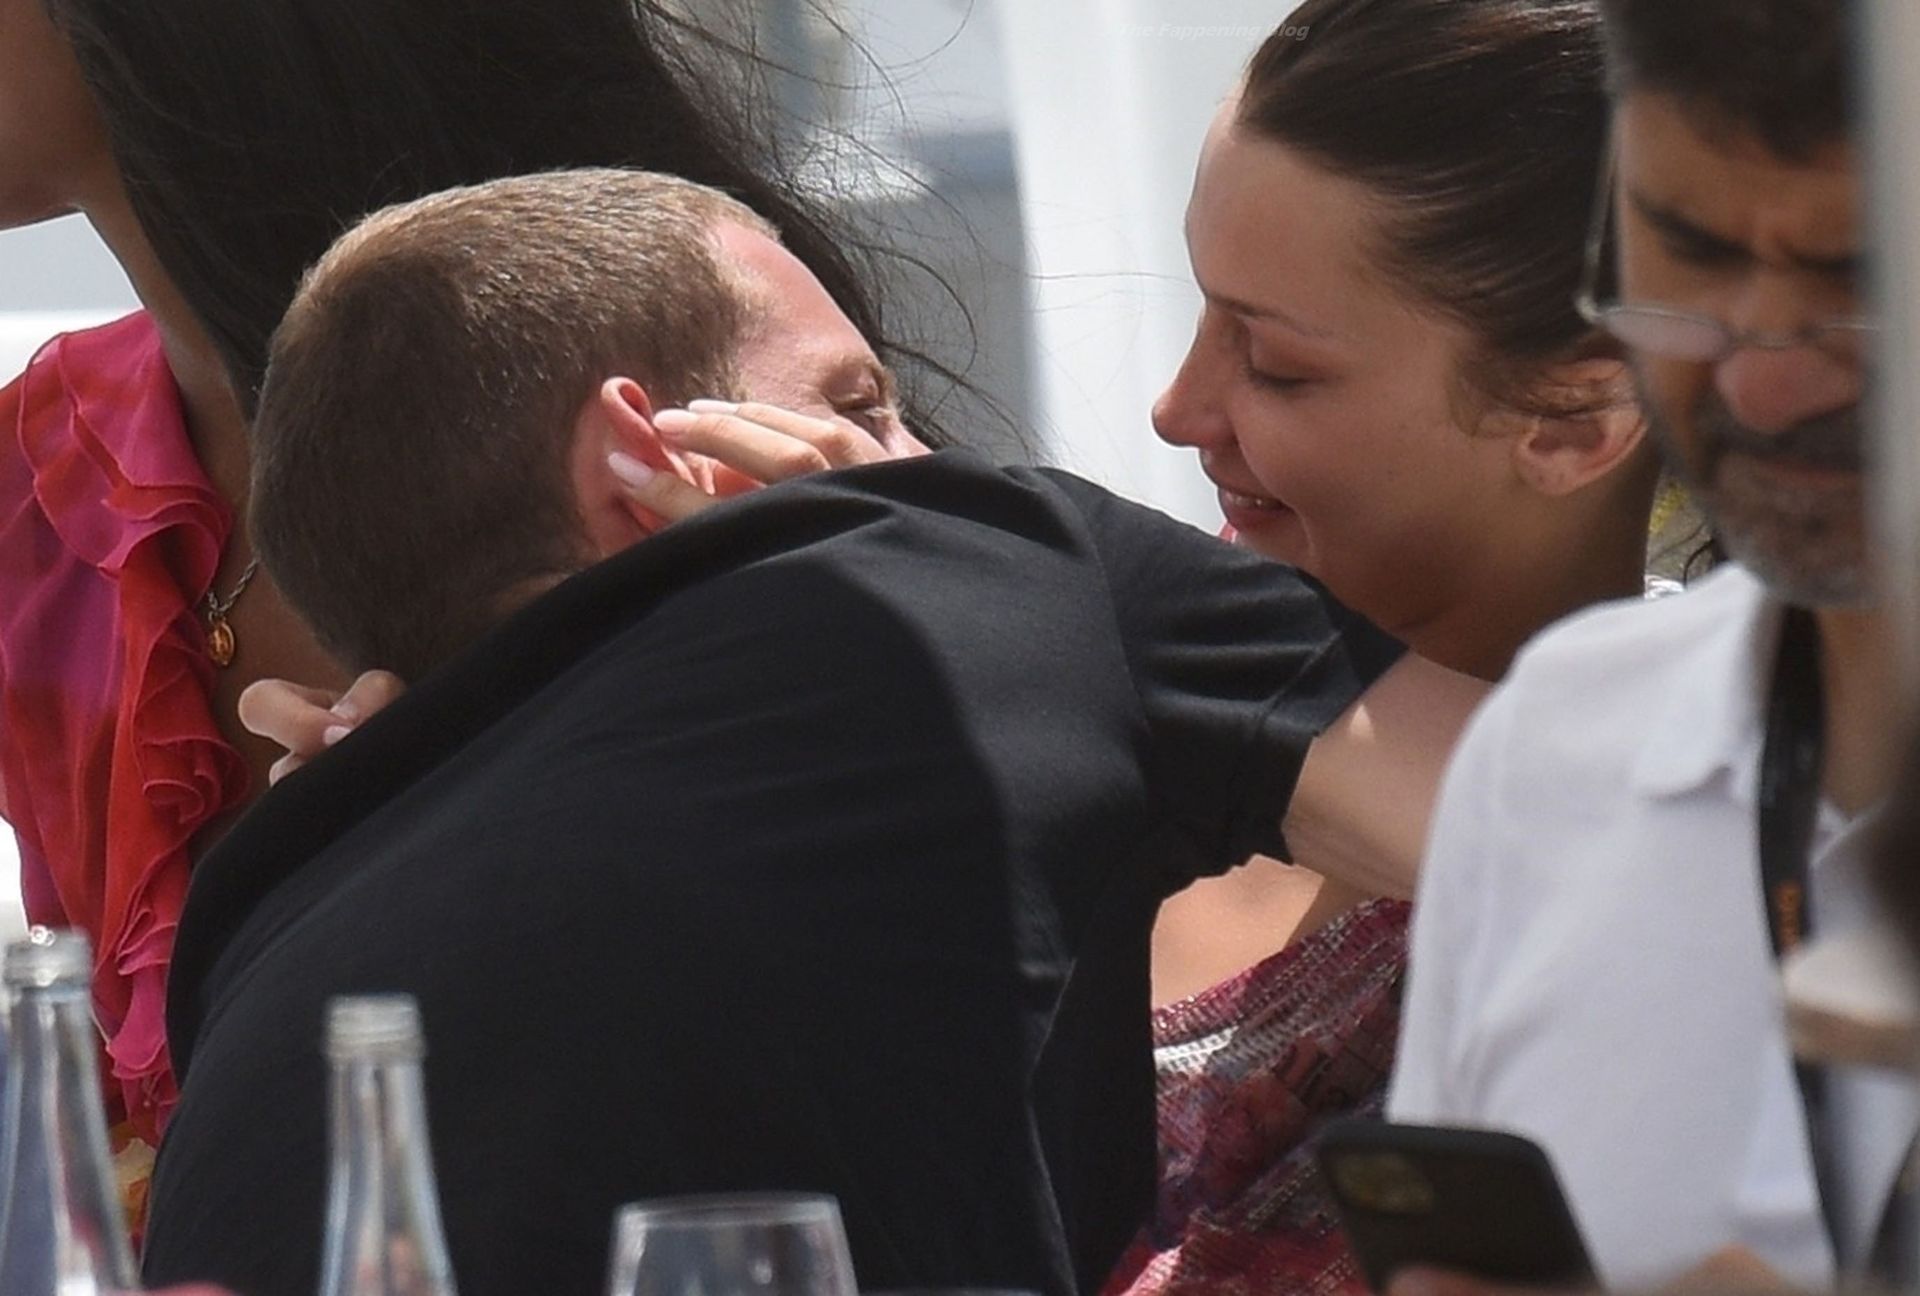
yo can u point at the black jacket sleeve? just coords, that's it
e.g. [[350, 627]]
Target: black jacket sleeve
[[1239, 662]]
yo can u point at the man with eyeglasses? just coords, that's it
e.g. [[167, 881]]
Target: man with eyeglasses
[[1663, 800]]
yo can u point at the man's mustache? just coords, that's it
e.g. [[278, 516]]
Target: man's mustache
[[1833, 441]]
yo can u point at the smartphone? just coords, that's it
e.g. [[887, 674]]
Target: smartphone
[[1473, 1201]]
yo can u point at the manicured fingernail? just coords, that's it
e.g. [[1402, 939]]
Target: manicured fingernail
[[333, 734], [629, 470], [707, 406], [672, 422]]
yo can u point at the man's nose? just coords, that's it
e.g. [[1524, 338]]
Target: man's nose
[[1773, 390]]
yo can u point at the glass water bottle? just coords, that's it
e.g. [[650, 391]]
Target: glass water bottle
[[383, 1208], [62, 1232]]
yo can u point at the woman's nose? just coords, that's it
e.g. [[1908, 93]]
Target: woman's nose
[[1191, 412]]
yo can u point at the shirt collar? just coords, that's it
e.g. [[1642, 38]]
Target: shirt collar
[[1709, 718]]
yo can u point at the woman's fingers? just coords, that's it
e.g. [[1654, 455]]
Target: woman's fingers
[[747, 445], [292, 715], [371, 694], [841, 441], [307, 721], [662, 495], [284, 766], [767, 443]]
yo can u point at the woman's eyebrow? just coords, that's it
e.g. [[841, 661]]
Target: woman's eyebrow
[[1267, 314]]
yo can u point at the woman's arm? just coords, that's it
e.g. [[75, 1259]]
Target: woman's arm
[[1366, 793]]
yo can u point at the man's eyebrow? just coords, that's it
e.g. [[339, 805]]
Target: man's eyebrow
[[867, 366], [1680, 228]]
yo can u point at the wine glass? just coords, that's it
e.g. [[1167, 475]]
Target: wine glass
[[780, 1244]]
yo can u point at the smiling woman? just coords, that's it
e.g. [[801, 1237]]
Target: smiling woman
[[1390, 384], [1392, 389]]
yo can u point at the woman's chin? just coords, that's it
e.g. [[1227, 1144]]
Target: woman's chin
[[1278, 536]]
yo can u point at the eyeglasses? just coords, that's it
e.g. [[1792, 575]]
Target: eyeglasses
[[1684, 335]]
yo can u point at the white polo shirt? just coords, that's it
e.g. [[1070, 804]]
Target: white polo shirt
[[1591, 965]]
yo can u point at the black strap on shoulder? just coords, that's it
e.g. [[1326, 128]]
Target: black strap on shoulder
[[1790, 769], [1790, 773]]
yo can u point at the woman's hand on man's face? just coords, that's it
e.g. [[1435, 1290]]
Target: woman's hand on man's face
[[750, 445], [744, 445]]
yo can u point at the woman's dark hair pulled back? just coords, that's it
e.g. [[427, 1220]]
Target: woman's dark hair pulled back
[[1480, 125]]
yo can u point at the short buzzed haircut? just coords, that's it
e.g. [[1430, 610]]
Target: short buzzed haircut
[[410, 455], [1782, 70]]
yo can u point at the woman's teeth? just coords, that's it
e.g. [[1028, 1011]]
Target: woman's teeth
[[1251, 501]]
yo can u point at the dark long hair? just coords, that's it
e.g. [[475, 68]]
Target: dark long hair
[[252, 133], [1481, 124]]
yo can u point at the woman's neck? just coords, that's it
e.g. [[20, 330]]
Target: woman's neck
[[1516, 593], [215, 425], [272, 640]]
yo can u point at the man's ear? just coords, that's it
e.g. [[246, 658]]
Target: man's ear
[[1558, 455], [617, 418]]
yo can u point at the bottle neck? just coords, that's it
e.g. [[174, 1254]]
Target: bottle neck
[[62, 1229], [383, 1207]]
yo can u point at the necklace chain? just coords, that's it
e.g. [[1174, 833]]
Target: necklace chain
[[217, 607]]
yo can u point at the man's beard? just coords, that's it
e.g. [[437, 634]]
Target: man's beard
[[1805, 537]]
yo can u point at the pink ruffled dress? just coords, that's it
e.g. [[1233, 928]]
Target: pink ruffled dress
[[110, 761]]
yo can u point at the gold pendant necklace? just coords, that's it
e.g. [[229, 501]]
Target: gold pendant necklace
[[221, 645]]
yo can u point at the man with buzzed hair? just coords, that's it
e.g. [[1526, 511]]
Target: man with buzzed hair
[[811, 844]]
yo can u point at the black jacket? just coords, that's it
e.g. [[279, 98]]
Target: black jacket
[[814, 844]]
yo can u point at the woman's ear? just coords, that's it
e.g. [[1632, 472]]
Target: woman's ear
[[617, 419], [1558, 455]]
